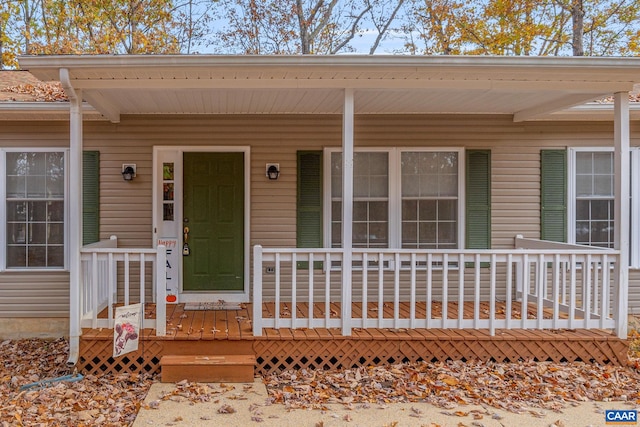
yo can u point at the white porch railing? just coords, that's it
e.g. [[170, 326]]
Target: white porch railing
[[107, 276], [568, 287]]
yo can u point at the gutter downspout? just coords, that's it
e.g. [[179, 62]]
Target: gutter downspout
[[75, 214]]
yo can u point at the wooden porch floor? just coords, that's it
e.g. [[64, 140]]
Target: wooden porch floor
[[213, 331]]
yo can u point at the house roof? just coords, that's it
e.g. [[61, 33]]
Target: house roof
[[528, 88], [22, 86], [25, 97]]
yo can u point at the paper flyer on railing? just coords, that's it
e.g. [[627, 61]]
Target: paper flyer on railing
[[126, 330]]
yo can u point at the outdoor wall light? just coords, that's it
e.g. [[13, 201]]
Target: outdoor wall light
[[128, 172], [273, 171]]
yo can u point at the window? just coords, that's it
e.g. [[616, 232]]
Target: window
[[35, 209], [589, 201], [592, 190], [403, 198], [634, 203], [370, 200], [429, 200]]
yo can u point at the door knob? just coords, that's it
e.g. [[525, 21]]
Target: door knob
[[186, 251]]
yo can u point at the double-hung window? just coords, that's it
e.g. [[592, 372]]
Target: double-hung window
[[34, 209], [429, 199], [402, 198], [591, 194], [587, 205], [370, 199]]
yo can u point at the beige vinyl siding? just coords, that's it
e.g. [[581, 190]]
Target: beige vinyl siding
[[126, 207], [33, 294], [634, 291]]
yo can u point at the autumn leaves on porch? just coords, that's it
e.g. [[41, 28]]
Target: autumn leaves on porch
[[236, 324]]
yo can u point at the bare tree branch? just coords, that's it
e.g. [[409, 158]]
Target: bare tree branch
[[382, 33], [351, 33]]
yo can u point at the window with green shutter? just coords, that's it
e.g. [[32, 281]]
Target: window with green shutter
[[309, 202], [553, 195], [478, 199], [34, 208], [90, 197]]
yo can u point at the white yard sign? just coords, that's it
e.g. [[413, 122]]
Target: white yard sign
[[126, 331]]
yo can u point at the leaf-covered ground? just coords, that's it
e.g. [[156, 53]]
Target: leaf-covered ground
[[114, 400], [109, 400], [515, 387]]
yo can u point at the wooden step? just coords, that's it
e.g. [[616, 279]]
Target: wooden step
[[231, 368]]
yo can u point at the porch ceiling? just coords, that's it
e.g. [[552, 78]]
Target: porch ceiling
[[527, 88]]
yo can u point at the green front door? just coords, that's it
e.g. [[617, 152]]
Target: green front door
[[214, 214]]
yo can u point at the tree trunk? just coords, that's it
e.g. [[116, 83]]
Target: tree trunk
[[577, 19], [303, 22]]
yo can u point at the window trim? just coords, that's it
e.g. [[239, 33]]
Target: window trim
[[3, 208], [634, 211], [395, 190], [634, 223], [571, 190]]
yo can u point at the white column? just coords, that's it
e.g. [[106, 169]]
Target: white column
[[75, 214], [347, 209], [161, 291], [622, 206], [257, 291]]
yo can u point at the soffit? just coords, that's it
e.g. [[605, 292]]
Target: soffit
[[527, 88]]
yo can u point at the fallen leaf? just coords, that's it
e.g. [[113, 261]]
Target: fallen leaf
[[226, 409]]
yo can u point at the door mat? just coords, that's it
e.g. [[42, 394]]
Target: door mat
[[203, 306]]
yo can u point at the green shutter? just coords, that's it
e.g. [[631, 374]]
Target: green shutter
[[90, 197], [309, 202], [478, 199], [553, 195]]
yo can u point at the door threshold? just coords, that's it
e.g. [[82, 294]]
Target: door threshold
[[212, 306], [213, 297]]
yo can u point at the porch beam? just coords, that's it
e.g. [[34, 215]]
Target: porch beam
[[75, 213], [621, 209], [562, 103], [596, 89], [104, 107], [347, 208]]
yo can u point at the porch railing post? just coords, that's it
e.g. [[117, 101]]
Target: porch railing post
[[620, 302], [519, 278], [257, 291], [347, 263], [161, 291]]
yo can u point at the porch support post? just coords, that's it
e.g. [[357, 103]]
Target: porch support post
[[347, 209], [75, 214], [622, 193], [257, 291]]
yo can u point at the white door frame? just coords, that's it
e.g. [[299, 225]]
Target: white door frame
[[200, 296]]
